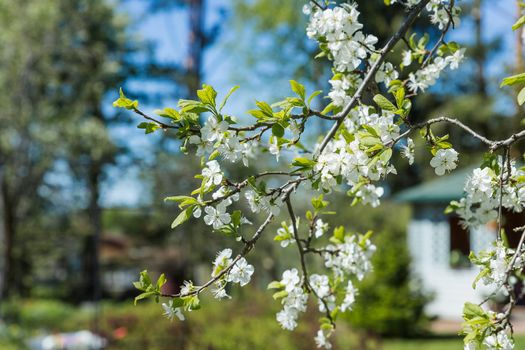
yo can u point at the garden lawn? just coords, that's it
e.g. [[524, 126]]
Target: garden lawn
[[436, 344]]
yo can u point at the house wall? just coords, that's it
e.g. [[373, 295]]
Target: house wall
[[429, 244]]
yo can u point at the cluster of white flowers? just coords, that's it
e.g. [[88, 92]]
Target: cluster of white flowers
[[339, 29], [214, 135], [294, 302], [499, 341], [350, 257], [494, 263], [440, 11], [241, 272], [321, 286], [482, 195], [496, 338], [427, 76], [260, 203], [350, 160]]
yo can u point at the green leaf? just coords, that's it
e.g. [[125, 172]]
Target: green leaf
[[144, 296], [384, 103], [318, 203], [265, 108], [386, 155], [168, 113], [519, 23], [277, 130], [329, 108], [207, 95], [148, 127], [303, 163], [298, 89], [279, 295], [400, 97], [513, 80], [161, 281], [223, 103], [124, 102], [183, 201], [339, 234], [471, 310], [275, 285], [191, 106], [313, 95], [184, 216], [521, 96]]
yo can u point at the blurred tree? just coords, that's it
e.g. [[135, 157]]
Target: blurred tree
[[61, 57], [99, 64], [28, 146]]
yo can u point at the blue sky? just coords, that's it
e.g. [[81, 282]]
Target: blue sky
[[168, 31]]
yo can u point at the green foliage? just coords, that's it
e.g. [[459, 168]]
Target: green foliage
[[390, 301], [149, 289], [124, 102], [519, 23]]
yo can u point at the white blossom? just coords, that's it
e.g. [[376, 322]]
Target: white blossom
[[320, 284], [222, 261], [444, 160], [290, 279], [212, 174], [407, 58], [171, 312], [213, 130], [321, 340], [241, 272], [320, 228], [287, 318], [350, 294], [216, 217], [408, 151]]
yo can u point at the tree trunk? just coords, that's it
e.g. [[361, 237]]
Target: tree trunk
[[480, 50], [92, 282], [196, 42], [9, 278]]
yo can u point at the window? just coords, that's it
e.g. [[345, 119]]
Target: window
[[459, 244]]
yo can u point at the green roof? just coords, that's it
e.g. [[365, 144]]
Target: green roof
[[441, 190]]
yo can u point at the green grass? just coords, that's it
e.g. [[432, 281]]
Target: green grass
[[436, 344], [220, 326]]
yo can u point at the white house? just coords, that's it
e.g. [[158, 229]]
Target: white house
[[439, 246]]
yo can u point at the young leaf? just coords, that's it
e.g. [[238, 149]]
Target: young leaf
[[207, 95], [223, 103], [521, 96], [519, 23], [168, 113], [513, 80], [277, 130], [184, 216], [298, 89], [124, 102], [384, 103]]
